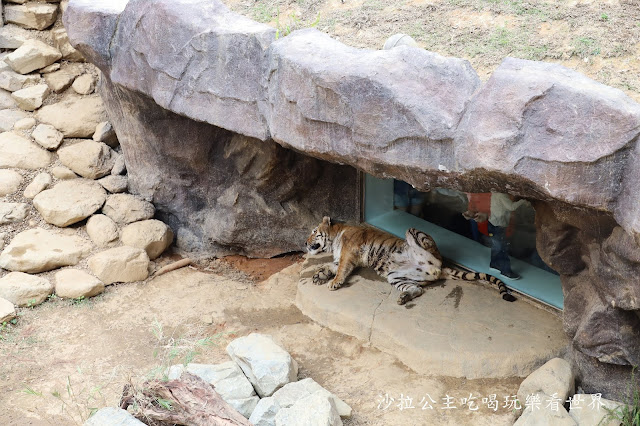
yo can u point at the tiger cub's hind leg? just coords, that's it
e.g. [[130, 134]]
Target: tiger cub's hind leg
[[409, 290], [324, 273]]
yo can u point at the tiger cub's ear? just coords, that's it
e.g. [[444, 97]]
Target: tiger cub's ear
[[326, 221]]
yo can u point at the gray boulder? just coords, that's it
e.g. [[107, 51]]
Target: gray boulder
[[267, 366], [264, 414], [184, 85], [593, 410], [366, 118], [316, 409], [542, 415], [290, 393], [112, 416], [555, 377]]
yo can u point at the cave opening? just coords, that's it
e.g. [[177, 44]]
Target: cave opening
[[488, 232]]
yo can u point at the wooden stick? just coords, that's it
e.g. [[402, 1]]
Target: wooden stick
[[173, 266]]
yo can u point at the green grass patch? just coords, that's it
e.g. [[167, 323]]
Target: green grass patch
[[263, 12], [586, 46]]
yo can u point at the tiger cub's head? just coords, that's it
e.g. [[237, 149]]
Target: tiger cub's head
[[319, 240]]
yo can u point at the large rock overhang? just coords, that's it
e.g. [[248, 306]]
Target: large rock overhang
[[537, 130]]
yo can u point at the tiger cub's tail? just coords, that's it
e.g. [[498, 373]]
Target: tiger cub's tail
[[473, 276]]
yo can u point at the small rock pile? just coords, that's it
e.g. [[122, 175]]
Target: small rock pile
[[260, 382], [61, 164], [545, 393]]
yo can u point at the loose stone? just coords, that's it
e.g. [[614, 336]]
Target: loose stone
[[12, 212], [127, 208], [102, 230], [70, 201], [19, 152], [88, 158], [10, 181], [74, 283], [120, 264], [152, 235], [31, 98], [39, 250], [32, 55], [47, 136], [24, 290], [267, 366], [37, 185]]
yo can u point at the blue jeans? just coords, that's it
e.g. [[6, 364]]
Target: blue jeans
[[499, 249]]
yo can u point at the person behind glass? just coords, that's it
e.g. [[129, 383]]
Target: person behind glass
[[407, 198], [502, 205]]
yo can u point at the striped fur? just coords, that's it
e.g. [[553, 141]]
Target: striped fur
[[407, 265], [479, 276]]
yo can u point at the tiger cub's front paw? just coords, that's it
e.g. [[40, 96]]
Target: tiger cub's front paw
[[333, 285], [322, 275]]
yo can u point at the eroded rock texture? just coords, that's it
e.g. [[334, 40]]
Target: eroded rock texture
[[198, 104], [222, 191], [599, 263]]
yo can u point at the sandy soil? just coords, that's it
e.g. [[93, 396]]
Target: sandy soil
[[64, 359], [598, 38]]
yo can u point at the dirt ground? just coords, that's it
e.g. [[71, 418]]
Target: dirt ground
[[64, 359], [599, 38]]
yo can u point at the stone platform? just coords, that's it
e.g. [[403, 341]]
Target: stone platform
[[456, 328]]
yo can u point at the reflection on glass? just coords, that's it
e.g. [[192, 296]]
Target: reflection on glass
[[496, 220]]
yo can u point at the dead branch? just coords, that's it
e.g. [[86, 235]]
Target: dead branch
[[188, 401]]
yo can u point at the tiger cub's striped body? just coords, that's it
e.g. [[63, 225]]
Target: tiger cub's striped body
[[407, 265]]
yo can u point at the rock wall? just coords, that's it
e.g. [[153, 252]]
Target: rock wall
[[224, 192], [535, 130]]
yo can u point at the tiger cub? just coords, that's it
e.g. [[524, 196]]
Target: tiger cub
[[407, 265]]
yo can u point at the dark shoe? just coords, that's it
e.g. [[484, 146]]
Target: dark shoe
[[511, 275]]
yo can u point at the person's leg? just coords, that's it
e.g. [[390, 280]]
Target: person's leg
[[474, 230], [499, 250]]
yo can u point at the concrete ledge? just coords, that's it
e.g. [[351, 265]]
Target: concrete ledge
[[455, 329]]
